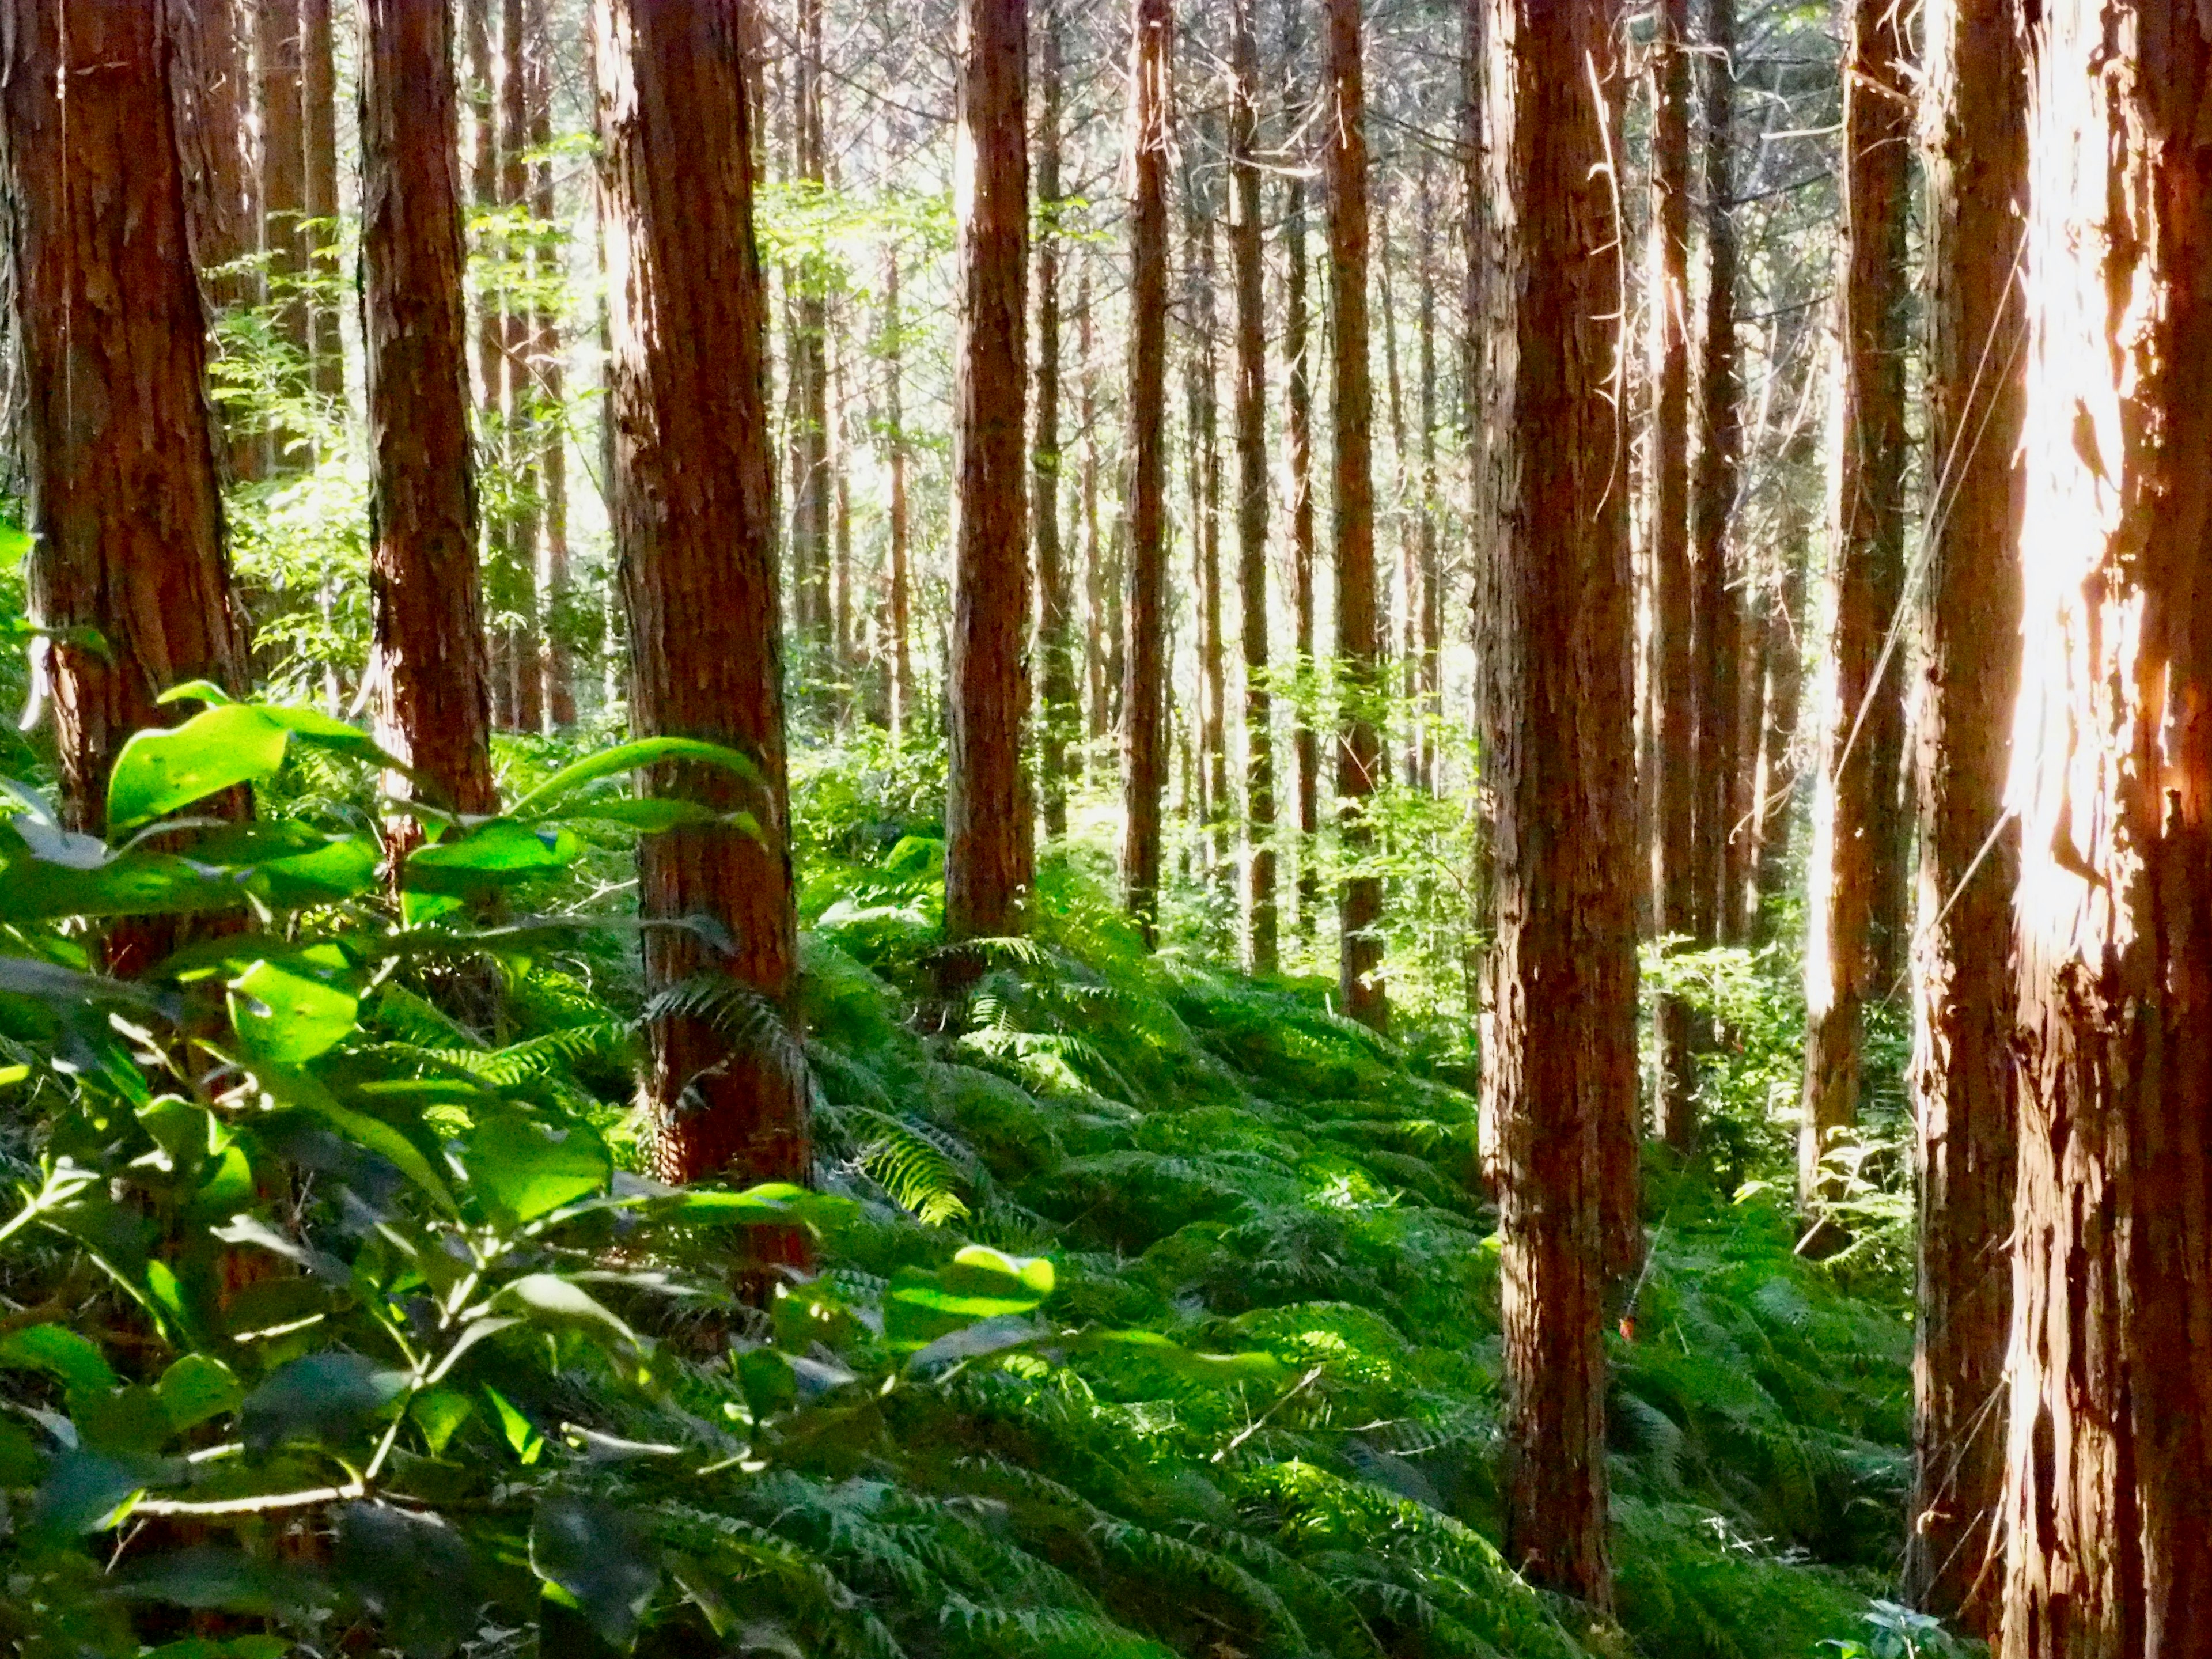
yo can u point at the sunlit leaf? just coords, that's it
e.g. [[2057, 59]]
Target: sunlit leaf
[[159, 770], [524, 1169]]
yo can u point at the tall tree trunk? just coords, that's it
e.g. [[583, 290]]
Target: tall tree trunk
[[1428, 709], [1298, 426], [481, 93], [1723, 840], [1245, 261], [118, 452], [522, 649], [1398, 642], [428, 674], [1095, 573], [1479, 411], [1969, 614], [695, 535], [319, 107], [1786, 616], [1360, 759], [1205, 433], [1560, 1043], [557, 664], [1143, 683], [1061, 719], [278, 72], [895, 443], [988, 855], [840, 505], [809, 347], [2111, 1455], [1667, 480], [1856, 832]]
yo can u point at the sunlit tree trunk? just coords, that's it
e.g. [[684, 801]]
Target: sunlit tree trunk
[[481, 91], [2108, 1493], [119, 453], [808, 367], [1969, 619], [1779, 767], [902, 602], [695, 535], [1429, 503], [1560, 1040], [319, 100], [1398, 641], [1857, 830], [1667, 483], [1144, 682], [521, 652], [1360, 759], [1059, 718], [1297, 424], [278, 69], [988, 855], [1245, 257], [557, 664], [427, 671], [1096, 577]]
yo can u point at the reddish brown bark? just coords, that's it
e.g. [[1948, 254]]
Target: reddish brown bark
[[1560, 1040], [1202, 432], [1059, 717], [988, 853], [1360, 759], [693, 524], [1297, 424], [1251, 406], [1857, 831], [808, 364], [427, 671], [1143, 684], [519, 655], [1097, 578], [279, 69], [118, 454], [1969, 620], [319, 111], [895, 444], [557, 666]]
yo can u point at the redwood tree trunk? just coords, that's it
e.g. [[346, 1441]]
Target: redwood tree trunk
[[1143, 684], [279, 72], [1560, 1041], [695, 533], [1244, 259], [2110, 1464], [1298, 432], [989, 856], [895, 443], [1969, 614], [557, 665], [319, 102], [428, 674], [520, 650], [809, 370], [1360, 759], [119, 453], [1061, 719], [1857, 833]]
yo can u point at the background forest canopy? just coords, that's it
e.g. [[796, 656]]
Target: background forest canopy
[[1039, 827]]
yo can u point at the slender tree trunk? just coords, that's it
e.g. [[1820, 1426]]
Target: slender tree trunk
[[694, 534], [1245, 261], [1060, 720], [523, 648], [1479, 410], [1856, 832], [1206, 536], [279, 72], [481, 93], [2110, 1464], [895, 443], [988, 855], [427, 670], [1427, 702], [1143, 684], [318, 98], [1298, 424], [1969, 614], [119, 452], [1667, 480], [557, 664], [840, 505], [1359, 760], [1095, 573], [1779, 746], [809, 367], [1559, 1043]]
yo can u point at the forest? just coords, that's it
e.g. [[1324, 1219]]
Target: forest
[[1239, 829]]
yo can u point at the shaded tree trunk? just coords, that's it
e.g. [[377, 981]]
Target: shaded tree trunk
[[808, 365], [1970, 613], [1204, 431], [1360, 759], [1251, 404], [1298, 426], [1144, 681], [520, 649], [1784, 619], [988, 855], [694, 534], [428, 674], [278, 75], [1857, 831], [481, 93], [901, 603], [1059, 718], [319, 100], [557, 664], [1096, 576], [1428, 709], [1560, 1043]]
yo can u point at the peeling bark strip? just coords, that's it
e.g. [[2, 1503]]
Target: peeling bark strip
[[118, 448], [695, 533], [1969, 620], [1144, 685], [428, 671], [2108, 1493], [1560, 1041], [988, 855]]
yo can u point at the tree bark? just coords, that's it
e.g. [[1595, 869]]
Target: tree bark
[[1559, 1039], [1779, 767], [895, 444], [279, 73], [1143, 683], [988, 855], [1298, 428], [481, 93], [521, 653], [1251, 404], [1667, 480], [809, 337], [1428, 710], [1060, 720], [1360, 759], [427, 670], [694, 534], [1203, 430], [318, 100], [1970, 615], [557, 666], [1857, 832], [1096, 579], [119, 449]]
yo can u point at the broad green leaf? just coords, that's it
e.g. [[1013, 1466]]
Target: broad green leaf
[[197, 1388], [987, 1336], [412, 1570], [629, 757], [343, 869], [82, 1369], [322, 1396], [600, 1557], [647, 814], [771, 1203], [296, 1088], [215, 1576], [979, 1283], [551, 1299], [293, 1008], [205, 691], [88, 1491], [20, 1461], [524, 1170], [499, 853], [1220, 1370], [520, 1434], [137, 883], [123, 1421], [438, 1413], [159, 770]]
